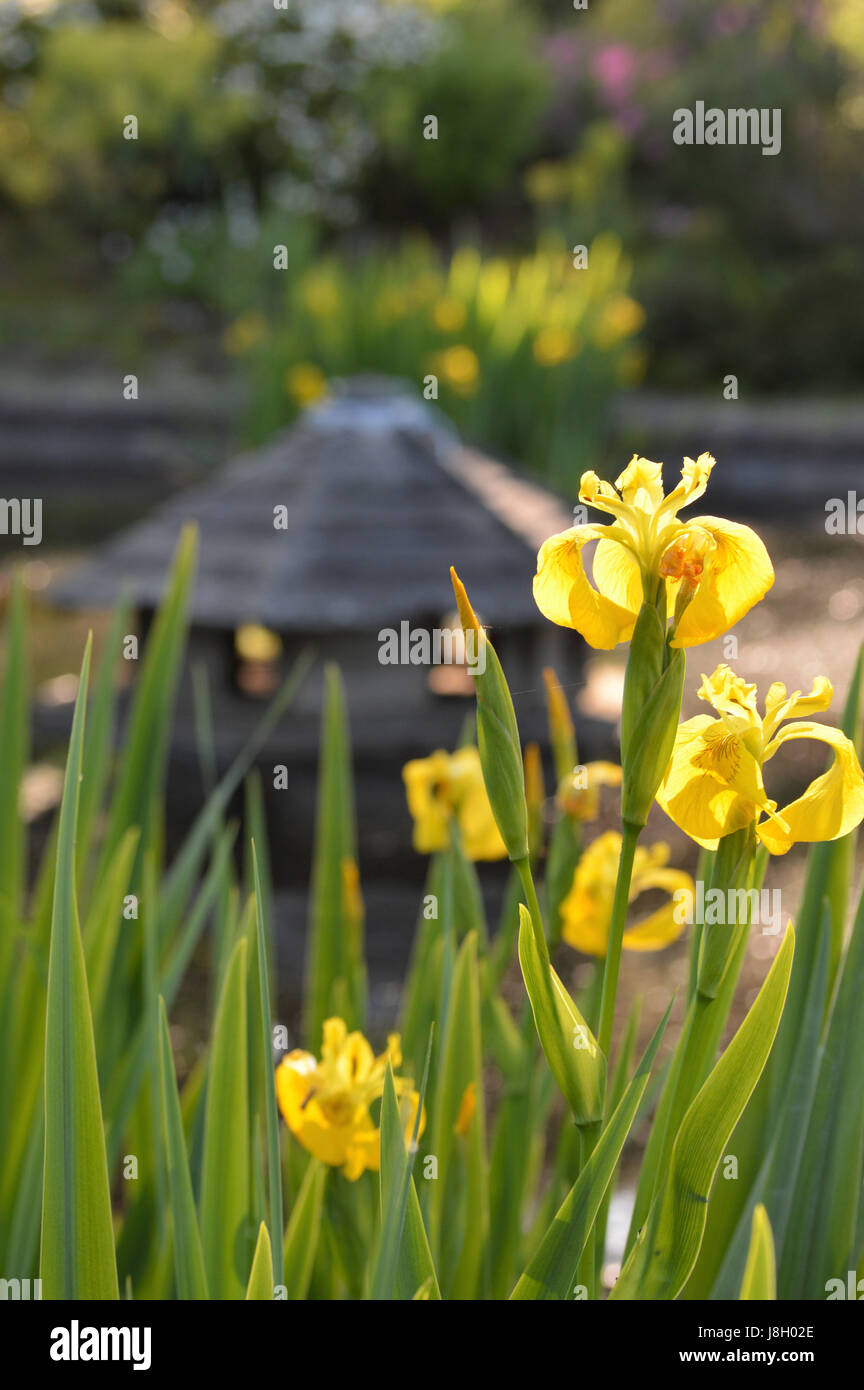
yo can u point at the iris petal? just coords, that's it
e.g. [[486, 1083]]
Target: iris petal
[[617, 575], [712, 784], [832, 805], [564, 594], [429, 812], [587, 909], [738, 573], [780, 706]]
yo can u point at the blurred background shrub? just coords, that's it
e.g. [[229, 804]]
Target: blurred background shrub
[[303, 126]]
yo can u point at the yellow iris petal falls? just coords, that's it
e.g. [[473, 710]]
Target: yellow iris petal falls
[[445, 786], [326, 1103], [587, 910], [579, 794], [714, 783], [714, 570]]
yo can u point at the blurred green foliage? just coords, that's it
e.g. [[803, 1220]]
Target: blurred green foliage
[[745, 263], [305, 125], [487, 86], [522, 353]]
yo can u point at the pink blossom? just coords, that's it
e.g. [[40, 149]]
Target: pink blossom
[[615, 66]]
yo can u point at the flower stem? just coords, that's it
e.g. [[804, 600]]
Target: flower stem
[[630, 835], [524, 868]]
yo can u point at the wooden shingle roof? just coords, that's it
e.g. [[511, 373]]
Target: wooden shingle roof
[[381, 498]]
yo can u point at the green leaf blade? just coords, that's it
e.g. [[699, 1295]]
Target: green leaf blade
[[668, 1246], [226, 1165], [760, 1272], [77, 1249], [188, 1257]]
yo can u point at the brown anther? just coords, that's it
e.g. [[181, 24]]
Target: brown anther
[[684, 559]]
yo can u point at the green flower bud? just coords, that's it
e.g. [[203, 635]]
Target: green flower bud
[[576, 1062], [653, 686], [497, 734]]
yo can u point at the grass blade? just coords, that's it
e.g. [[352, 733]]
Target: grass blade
[[403, 1261], [301, 1236], [14, 739], [145, 742], [184, 871], [98, 743], [760, 1273], [274, 1166], [260, 1286], [552, 1271], [818, 1244], [777, 1174], [335, 980], [668, 1245], [77, 1253], [225, 1176], [188, 1257], [460, 1242], [14, 748]]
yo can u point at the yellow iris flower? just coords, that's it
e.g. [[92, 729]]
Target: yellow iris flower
[[448, 785], [326, 1103], [459, 368], [587, 910], [714, 570], [579, 794], [305, 383], [713, 785]]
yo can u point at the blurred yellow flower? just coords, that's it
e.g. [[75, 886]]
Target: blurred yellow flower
[[467, 1107], [255, 643], [714, 570], [579, 794], [553, 346], [587, 910], [352, 895], [458, 368], [535, 790], [445, 786], [560, 720], [326, 1103], [448, 315], [245, 333], [547, 181], [713, 785], [620, 318], [305, 383], [493, 288], [320, 295]]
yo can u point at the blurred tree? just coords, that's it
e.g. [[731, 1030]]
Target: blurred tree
[[487, 84]]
